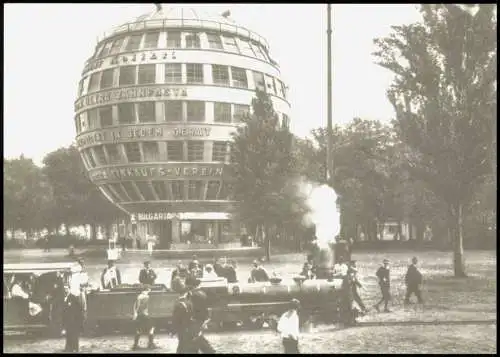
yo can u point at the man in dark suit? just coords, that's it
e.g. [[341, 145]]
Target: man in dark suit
[[384, 280], [413, 280], [72, 320], [147, 276]]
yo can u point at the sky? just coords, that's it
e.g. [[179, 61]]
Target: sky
[[46, 45]]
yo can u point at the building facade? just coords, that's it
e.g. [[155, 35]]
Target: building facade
[[157, 103]]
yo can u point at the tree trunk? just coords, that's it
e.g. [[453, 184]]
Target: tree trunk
[[458, 246], [93, 232], [267, 243], [67, 229]]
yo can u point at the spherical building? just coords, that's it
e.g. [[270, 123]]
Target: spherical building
[[156, 105]]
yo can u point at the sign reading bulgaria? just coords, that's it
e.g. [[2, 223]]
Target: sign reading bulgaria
[[162, 171], [124, 94]]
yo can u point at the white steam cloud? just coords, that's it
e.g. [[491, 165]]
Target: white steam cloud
[[322, 201]]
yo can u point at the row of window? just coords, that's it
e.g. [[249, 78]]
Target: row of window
[[149, 151], [194, 73], [193, 111], [177, 39], [169, 190]]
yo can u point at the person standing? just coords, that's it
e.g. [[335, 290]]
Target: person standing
[[288, 327], [201, 318], [181, 322], [147, 275], [384, 281], [110, 277], [413, 280], [73, 317], [356, 284], [143, 323]]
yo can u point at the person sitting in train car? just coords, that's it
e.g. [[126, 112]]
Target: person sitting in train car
[[308, 271], [341, 268], [193, 263], [17, 291], [258, 273], [147, 275], [231, 272], [175, 272], [219, 267], [209, 272], [178, 283], [110, 277]]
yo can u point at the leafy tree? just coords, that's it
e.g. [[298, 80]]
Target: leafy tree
[[25, 192], [263, 168], [77, 200], [444, 95]]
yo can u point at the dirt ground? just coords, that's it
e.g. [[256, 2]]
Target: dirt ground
[[459, 314]]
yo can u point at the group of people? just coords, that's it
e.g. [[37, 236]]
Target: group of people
[[189, 320], [349, 270]]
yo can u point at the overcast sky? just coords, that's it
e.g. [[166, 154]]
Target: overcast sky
[[46, 46]]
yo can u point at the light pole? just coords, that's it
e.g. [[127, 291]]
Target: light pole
[[329, 156]]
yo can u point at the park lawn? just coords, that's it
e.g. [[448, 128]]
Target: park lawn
[[456, 303]]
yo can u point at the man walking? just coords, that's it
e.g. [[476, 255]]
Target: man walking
[[143, 323], [355, 284], [288, 327], [384, 281], [72, 320], [147, 276], [190, 318], [413, 280]]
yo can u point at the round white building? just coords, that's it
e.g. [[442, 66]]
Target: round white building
[[157, 103]]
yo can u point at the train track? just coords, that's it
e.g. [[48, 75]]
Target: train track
[[232, 329]]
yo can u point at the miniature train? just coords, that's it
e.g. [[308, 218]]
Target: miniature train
[[245, 304]]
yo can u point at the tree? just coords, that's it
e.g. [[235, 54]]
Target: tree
[[77, 200], [444, 95], [25, 193], [263, 171]]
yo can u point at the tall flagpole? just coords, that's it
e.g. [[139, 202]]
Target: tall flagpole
[[329, 156]]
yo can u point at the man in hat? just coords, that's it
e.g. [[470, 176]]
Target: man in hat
[[110, 276], [384, 281], [288, 327], [147, 276], [193, 264], [178, 283], [413, 280], [258, 273], [190, 318], [143, 323], [356, 284], [73, 318]]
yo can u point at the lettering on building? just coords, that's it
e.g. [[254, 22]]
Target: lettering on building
[[155, 172], [192, 131], [125, 94], [142, 132], [129, 59], [154, 216]]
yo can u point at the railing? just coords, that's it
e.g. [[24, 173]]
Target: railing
[[182, 23]]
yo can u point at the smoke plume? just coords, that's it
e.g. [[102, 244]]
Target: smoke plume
[[324, 214]]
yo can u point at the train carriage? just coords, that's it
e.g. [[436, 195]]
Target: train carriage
[[43, 280]]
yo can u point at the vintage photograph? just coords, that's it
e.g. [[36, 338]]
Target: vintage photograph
[[250, 178]]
